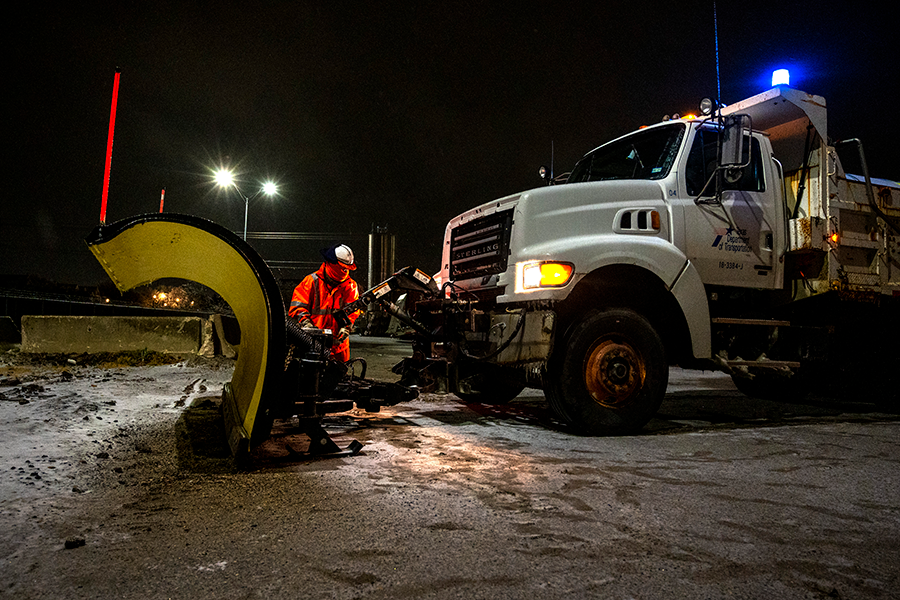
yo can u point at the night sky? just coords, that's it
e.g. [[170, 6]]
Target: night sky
[[398, 115]]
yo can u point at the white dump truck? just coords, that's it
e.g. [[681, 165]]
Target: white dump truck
[[733, 240]]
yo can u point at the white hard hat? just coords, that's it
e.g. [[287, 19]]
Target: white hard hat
[[340, 253]]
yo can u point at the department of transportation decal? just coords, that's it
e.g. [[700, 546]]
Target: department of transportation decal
[[732, 240]]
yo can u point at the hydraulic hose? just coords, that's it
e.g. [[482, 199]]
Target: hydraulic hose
[[300, 338]]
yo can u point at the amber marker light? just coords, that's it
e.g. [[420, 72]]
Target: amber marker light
[[532, 276]]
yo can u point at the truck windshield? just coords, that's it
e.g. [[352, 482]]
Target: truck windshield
[[647, 154]]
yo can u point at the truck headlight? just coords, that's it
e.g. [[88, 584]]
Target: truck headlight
[[538, 275]]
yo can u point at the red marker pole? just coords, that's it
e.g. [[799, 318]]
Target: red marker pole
[[109, 145], [162, 199]]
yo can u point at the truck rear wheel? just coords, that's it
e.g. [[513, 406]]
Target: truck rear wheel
[[610, 375]]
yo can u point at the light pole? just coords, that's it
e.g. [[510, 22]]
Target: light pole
[[225, 178]]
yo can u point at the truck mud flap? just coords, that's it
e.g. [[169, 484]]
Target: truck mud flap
[[145, 248]]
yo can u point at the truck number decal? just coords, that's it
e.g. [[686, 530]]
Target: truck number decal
[[727, 264]]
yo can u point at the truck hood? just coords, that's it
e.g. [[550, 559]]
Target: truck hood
[[559, 199], [543, 216]]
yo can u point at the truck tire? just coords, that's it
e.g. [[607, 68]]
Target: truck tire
[[609, 375]]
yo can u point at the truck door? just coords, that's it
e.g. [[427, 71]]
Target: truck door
[[732, 242]]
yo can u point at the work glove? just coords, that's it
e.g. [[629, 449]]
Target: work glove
[[343, 334], [307, 324]]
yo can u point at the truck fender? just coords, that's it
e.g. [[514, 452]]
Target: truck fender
[[690, 293], [674, 269], [653, 254], [592, 252]]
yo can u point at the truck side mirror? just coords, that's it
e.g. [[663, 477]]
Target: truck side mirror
[[734, 152]]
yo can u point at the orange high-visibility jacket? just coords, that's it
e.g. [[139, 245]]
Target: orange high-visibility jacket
[[316, 298]]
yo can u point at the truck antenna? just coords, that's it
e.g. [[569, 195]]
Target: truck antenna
[[716, 36], [551, 160]]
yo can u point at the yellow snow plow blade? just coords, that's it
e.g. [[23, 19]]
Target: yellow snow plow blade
[[142, 249]]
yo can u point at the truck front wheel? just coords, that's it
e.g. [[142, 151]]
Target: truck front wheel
[[610, 375]]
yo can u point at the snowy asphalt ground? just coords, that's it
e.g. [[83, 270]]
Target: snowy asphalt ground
[[114, 486]]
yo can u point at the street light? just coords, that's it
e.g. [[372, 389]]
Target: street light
[[225, 178]]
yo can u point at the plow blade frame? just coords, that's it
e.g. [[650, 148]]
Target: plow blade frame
[[142, 249]]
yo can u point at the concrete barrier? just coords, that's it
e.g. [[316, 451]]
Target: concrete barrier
[[69, 334]]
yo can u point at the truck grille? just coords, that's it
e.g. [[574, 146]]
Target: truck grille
[[481, 247]]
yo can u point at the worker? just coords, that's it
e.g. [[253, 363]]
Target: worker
[[321, 293]]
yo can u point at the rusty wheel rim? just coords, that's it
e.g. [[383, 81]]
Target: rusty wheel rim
[[614, 373]]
